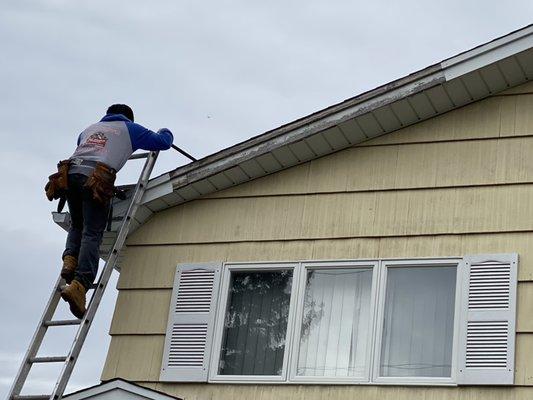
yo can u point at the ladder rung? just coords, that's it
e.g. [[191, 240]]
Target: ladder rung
[[93, 286], [31, 397], [48, 359], [62, 322], [137, 156]]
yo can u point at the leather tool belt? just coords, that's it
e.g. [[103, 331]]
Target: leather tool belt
[[102, 183], [57, 185]]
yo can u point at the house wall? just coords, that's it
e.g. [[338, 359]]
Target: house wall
[[459, 183]]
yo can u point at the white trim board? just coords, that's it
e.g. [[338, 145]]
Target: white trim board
[[118, 389]]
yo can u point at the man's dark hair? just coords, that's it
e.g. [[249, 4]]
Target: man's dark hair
[[121, 109]]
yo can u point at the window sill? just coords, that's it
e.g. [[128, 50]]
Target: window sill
[[343, 382]]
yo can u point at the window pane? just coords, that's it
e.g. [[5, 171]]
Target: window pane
[[418, 322], [336, 323], [255, 324]]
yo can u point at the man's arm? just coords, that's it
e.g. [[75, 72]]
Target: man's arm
[[143, 138]]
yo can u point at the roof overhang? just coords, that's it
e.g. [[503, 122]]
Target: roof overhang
[[468, 77], [465, 78]]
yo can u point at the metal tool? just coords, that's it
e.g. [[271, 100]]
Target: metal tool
[[184, 153]]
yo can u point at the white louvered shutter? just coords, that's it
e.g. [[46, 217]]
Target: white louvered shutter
[[191, 323], [488, 318]]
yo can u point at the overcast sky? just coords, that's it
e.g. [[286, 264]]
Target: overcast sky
[[215, 73]]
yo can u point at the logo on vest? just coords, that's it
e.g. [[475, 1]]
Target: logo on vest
[[97, 139]]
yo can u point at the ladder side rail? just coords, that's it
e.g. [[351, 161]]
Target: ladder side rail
[[36, 341], [104, 278]]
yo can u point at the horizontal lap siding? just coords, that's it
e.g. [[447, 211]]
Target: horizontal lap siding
[[338, 215], [138, 358], [154, 266], [298, 392], [493, 117], [143, 312], [420, 165], [150, 308], [456, 184]]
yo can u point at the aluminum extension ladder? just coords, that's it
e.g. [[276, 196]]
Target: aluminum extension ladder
[[46, 321]]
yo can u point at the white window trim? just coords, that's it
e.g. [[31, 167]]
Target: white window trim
[[378, 336], [288, 375], [223, 298]]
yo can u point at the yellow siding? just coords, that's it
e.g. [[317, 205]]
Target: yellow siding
[[460, 183], [134, 357], [143, 311], [154, 266], [421, 165], [492, 117], [301, 392], [146, 311], [138, 358], [338, 215]]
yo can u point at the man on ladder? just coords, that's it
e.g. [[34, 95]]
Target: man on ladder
[[86, 182]]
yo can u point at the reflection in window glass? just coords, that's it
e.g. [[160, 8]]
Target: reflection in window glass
[[255, 324], [418, 322], [336, 323]]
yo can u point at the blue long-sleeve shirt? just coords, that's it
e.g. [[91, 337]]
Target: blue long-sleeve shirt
[[113, 140]]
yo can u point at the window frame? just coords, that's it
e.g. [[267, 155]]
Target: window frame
[[223, 299], [321, 265], [379, 323], [378, 292]]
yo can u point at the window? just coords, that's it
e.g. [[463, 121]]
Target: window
[[255, 318], [334, 322], [428, 321], [255, 323], [335, 327], [416, 323], [417, 335]]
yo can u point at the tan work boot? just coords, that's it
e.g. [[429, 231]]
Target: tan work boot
[[70, 263], [74, 295]]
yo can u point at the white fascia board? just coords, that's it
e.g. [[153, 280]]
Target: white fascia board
[[305, 130], [166, 183], [489, 53], [157, 188], [447, 70]]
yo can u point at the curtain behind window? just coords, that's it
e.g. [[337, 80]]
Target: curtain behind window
[[255, 324], [418, 322], [336, 323]]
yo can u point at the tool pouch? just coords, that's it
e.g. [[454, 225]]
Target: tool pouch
[[57, 185], [101, 182]]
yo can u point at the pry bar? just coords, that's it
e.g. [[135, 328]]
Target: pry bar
[[183, 152]]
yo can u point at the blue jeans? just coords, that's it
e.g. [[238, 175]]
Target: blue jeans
[[88, 221]]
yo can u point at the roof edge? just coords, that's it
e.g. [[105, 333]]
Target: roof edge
[[452, 67], [231, 166]]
